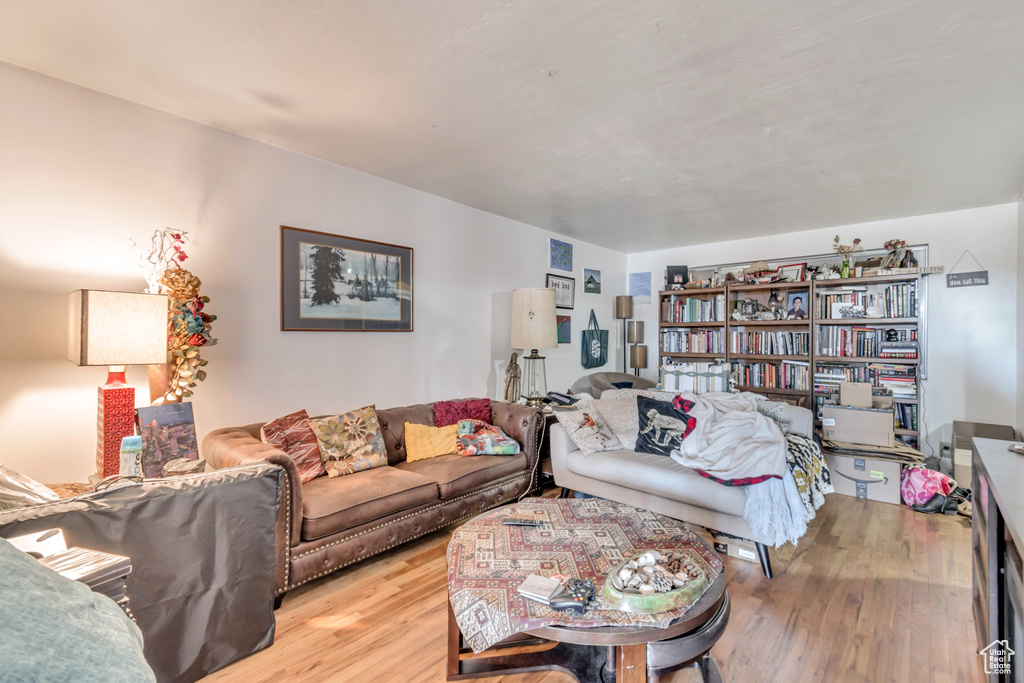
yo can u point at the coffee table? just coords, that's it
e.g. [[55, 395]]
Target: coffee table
[[493, 631]]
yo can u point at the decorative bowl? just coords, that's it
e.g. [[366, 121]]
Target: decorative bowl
[[646, 582]]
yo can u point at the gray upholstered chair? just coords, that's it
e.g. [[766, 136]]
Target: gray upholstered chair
[[598, 382]]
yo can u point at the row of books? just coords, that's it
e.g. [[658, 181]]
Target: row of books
[[863, 342], [783, 375], [898, 300], [901, 380], [684, 309], [771, 343], [695, 378], [692, 341]]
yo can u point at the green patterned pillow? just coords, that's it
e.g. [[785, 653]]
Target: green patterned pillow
[[350, 442]]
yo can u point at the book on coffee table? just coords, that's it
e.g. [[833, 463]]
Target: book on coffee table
[[539, 588]]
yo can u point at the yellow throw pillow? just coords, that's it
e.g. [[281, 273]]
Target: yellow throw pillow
[[423, 441]]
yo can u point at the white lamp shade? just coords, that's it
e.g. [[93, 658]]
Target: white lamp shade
[[533, 319], [116, 328]]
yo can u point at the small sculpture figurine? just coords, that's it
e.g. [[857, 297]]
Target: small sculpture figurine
[[512, 377]]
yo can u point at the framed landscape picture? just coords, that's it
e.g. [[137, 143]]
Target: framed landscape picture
[[338, 283], [565, 290]]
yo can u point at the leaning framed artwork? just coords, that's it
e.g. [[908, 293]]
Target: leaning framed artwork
[[565, 290], [339, 283]]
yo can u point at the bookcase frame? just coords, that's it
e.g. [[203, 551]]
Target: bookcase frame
[[735, 292]]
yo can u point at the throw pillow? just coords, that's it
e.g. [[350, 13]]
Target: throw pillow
[[772, 410], [293, 435], [475, 437], [424, 441], [622, 385], [621, 417], [587, 429], [663, 425], [649, 393], [350, 442], [451, 412]]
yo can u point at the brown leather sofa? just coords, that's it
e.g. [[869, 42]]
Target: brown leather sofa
[[330, 523]]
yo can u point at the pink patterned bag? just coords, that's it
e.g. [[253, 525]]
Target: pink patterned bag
[[919, 484]]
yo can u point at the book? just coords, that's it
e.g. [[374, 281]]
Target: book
[[168, 433], [539, 588]]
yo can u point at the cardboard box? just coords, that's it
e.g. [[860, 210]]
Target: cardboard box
[[865, 478], [733, 546], [882, 402], [855, 394], [963, 433], [858, 425]]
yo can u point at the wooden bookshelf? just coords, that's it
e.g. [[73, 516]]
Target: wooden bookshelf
[[813, 326], [693, 329]]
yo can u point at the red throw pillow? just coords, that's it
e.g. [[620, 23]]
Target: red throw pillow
[[293, 435], [450, 412]]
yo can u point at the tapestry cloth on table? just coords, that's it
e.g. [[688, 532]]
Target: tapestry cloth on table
[[583, 538]]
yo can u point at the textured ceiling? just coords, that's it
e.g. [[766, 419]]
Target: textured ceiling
[[633, 125]]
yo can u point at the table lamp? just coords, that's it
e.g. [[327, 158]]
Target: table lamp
[[115, 329], [623, 312], [637, 352], [534, 327]]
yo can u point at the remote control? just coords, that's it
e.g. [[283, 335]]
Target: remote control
[[575, 598], [521, 521]]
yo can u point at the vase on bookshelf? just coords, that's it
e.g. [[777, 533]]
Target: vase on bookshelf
[[845, 273]]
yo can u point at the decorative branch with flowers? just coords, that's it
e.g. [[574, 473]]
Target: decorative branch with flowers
[[846, 251], [189, 327]]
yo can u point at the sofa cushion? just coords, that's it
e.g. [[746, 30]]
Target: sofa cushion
[[333, 504], [587, 428], [424, 441], [663, 425], [474, 437], [659, 476], [456, 475], [293, 435], [621, 417], [350, 442], [450, 412]]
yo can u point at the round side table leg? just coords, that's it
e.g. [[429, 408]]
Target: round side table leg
[[709, 669]]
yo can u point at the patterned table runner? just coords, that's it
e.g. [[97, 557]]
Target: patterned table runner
[[586, 538]]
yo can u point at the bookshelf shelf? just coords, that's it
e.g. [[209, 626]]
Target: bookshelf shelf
[[865, 359], [866, 322], [769, 357], [770, 323], [773, 390], [711, 324]]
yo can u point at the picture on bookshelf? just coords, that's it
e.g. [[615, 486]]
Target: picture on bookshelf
[[796, 307], [795, 272], [844, 311], [676, 277]]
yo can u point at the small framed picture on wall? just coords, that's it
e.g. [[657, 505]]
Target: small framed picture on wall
[[565, 290]]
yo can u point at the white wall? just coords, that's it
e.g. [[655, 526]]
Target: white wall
[[81, 173], [972, 331], [1019, 424]]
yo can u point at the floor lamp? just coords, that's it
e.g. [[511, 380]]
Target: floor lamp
[[534, 327], [115, 329], [637, 352], [623, 312]]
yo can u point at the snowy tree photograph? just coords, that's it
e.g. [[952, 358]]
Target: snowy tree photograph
[[345, 283]]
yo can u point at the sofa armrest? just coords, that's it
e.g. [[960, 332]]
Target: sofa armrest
[[234, 446], [561, 446], [522, 423]]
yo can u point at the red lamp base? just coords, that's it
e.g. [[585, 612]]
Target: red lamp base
[[115, 420]]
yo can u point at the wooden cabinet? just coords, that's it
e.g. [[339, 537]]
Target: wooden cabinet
[[997, 520]]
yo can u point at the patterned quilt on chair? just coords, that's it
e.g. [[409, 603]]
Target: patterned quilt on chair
[[487, 560]]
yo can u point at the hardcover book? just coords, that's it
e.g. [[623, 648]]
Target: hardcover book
[[168, 433]]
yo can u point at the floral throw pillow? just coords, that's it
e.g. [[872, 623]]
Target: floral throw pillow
[[475, 437], [588, 430], [450, 412], [292, 435], [350, 442]]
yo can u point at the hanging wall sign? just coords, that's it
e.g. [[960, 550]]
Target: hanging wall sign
[[975, 278]]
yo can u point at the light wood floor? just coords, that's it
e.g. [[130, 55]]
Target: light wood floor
[[874, 592]]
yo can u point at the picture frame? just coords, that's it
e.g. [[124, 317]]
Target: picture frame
[[564, 327], [795, 272], [791, 312], [340, 283], [591, 281], [565, 290], [676, 277]]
